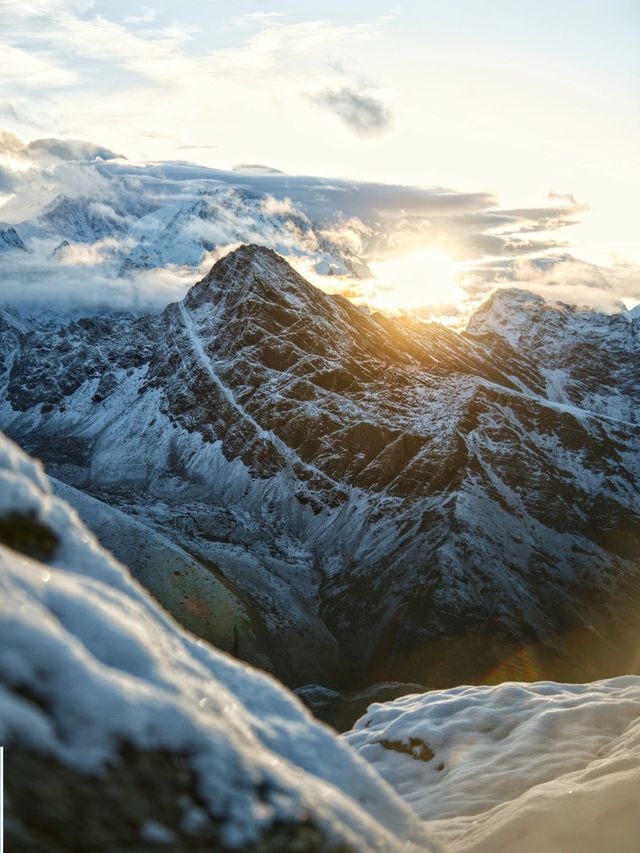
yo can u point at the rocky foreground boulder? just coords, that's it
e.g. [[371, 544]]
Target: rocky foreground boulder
[[123, 732]]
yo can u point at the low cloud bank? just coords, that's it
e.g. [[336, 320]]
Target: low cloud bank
[[105, 232], [561, 278]]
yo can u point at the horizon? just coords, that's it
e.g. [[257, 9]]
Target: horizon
[[532, 137]]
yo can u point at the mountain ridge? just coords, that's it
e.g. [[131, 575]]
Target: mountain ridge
[[374, 501]]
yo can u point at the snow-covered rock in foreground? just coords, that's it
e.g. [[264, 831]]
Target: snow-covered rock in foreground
[[517, 767], [123, 731]]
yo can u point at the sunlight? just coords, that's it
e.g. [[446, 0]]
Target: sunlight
[[421, 278]]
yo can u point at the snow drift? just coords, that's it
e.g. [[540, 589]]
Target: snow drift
[[517, 767]]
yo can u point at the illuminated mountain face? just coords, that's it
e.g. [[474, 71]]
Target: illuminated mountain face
[[343, 498]]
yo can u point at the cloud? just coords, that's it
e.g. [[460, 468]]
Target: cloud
[[52, 149], [77, 282], [125, 74], [7, 181], [10, 143], [144, 15], [176, 217], [256, 169], [579, 282], [68, 149], [566, 197], [24, 68], [364, 114], [562, 278]]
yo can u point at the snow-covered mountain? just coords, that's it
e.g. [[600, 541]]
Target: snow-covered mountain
[[347, 499], [10, 240], [136, 220]]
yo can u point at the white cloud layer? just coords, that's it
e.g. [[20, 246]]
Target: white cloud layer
[[102, 231]]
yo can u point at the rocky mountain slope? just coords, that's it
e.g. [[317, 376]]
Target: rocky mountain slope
[[346, 499], [122, 731], [9, 240]]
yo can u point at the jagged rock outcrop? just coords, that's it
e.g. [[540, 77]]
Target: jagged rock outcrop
[[346, 498], [10, 239]]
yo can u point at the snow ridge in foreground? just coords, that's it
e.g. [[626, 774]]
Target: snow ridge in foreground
[[88, 662], [516, 767]]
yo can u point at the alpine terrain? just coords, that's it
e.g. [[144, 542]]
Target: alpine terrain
[[361, 505], [123, 731]]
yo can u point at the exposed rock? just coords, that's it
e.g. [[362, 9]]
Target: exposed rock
[[10, 240], [415, 748], [367, 499]]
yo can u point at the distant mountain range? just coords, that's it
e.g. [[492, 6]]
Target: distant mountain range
[[347, 499], [138, 232]]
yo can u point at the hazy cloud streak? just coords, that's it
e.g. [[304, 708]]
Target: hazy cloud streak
[[362, 113]]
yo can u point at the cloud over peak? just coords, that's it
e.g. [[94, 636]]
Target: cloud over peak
[[52, 149], [140, 233]]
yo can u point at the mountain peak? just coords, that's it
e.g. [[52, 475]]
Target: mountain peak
[[9, 239], [254, 269], [512, 313], [505, 313], [248, 255], [510, 299]]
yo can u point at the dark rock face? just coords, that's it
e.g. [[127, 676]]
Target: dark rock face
[[416, 748], [374, 500], [145, 801], [24, 533], [341, 711]]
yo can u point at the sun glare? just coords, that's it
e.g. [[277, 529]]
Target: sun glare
[[421, 278]]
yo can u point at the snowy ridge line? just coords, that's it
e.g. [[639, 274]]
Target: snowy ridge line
[[198, 347], [568, 408]]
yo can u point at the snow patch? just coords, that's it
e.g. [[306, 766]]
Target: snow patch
[[524, 767]]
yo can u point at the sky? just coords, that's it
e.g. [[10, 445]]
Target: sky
[[534, 102]]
